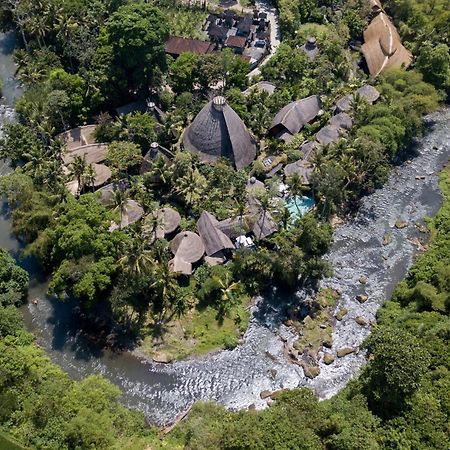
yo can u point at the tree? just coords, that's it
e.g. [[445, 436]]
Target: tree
[[123, 157], [434, 63], [139, 128], [78, 170], [136, 33], [397, 364], [184, 72]]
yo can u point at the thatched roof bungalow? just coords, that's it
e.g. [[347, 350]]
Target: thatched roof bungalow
[[302, 168], [294, 116], [92, 153], [213, 238], [132, 212], [367, 92], [342, 120], [217, 132], [107, 192], [178, 265], [264, 225], [328, 134], [102, 175], [168, 220], [382, 48], [176, 46], [78, 137], [188, 247], [156, 151], [263, 86]]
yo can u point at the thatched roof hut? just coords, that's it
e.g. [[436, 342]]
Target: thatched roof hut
[[328, 134], [132, 212], [217, 132], [236, 226], [263, 86], [367, 92], [302, 168], [294, 116], [178, 265], [102, 175], [254, 185], [342, 120], [382, 46], [77, 137], [187, 246], [308, 149], [156, 151], [107, 192], [213, 238], [168, 220], [264, 225], [93, 153]]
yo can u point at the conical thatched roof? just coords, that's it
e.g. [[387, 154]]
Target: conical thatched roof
[[102, 175], [328, 134], [217, 132], [264, 225], [178, 265], [382, 46], [107, 192], [168, 221], [342, 120], [213, 238], [302, 168], [187, 246]]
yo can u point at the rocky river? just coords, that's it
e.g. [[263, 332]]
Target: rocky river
[[237, 377]]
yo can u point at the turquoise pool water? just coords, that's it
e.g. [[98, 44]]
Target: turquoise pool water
[[299, 206]]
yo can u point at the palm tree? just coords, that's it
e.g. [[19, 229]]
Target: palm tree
[[90, 176], [120, 202], [264, 206], [295, 186], [191, 187], [228, 290], [78, 170], [136, 259]]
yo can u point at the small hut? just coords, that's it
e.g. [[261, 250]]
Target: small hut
[[302, 168], [264, 225], [342, 120], [178, 265], [167, 220], [214, 240], [156, 151], [132, 212], [328, 134], [308, 149], [262, 86], [188, 247], [107, 192], [217, 132], [102, 175], [367, 92], [294, 116]]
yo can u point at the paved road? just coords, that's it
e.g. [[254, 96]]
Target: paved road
[[275, 35]]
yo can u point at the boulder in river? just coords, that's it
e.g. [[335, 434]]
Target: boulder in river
[[362, 298], [341, 314], [265, 394], [387, 239], [309, 370], [401, 224], [345, 351], [360, 320], [328, 358], [363, 279]]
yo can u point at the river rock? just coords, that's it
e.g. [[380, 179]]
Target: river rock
[[273, 373], [276, 394], [401, 224], [162, 358], [387, 239], [265, 394], [362, 298], [341, 314], [309, 370], [360, 320], [328, 358], [345, 351], [363, 279]]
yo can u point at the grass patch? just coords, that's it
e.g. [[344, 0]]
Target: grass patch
[[187, 23], [197, 333]]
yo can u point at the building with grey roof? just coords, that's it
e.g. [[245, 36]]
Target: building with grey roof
[[294, 116], [218, 132], [213, 238]]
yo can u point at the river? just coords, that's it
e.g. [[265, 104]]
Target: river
[[237, 377]]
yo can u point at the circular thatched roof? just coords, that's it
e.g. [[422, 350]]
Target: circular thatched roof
[[217, 132], [92, 153], [170, 220], [103, 174], [187, 246]]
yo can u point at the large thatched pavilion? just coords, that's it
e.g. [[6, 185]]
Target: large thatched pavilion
[[217, 132]]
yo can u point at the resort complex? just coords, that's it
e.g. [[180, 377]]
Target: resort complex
[[217, 213]]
